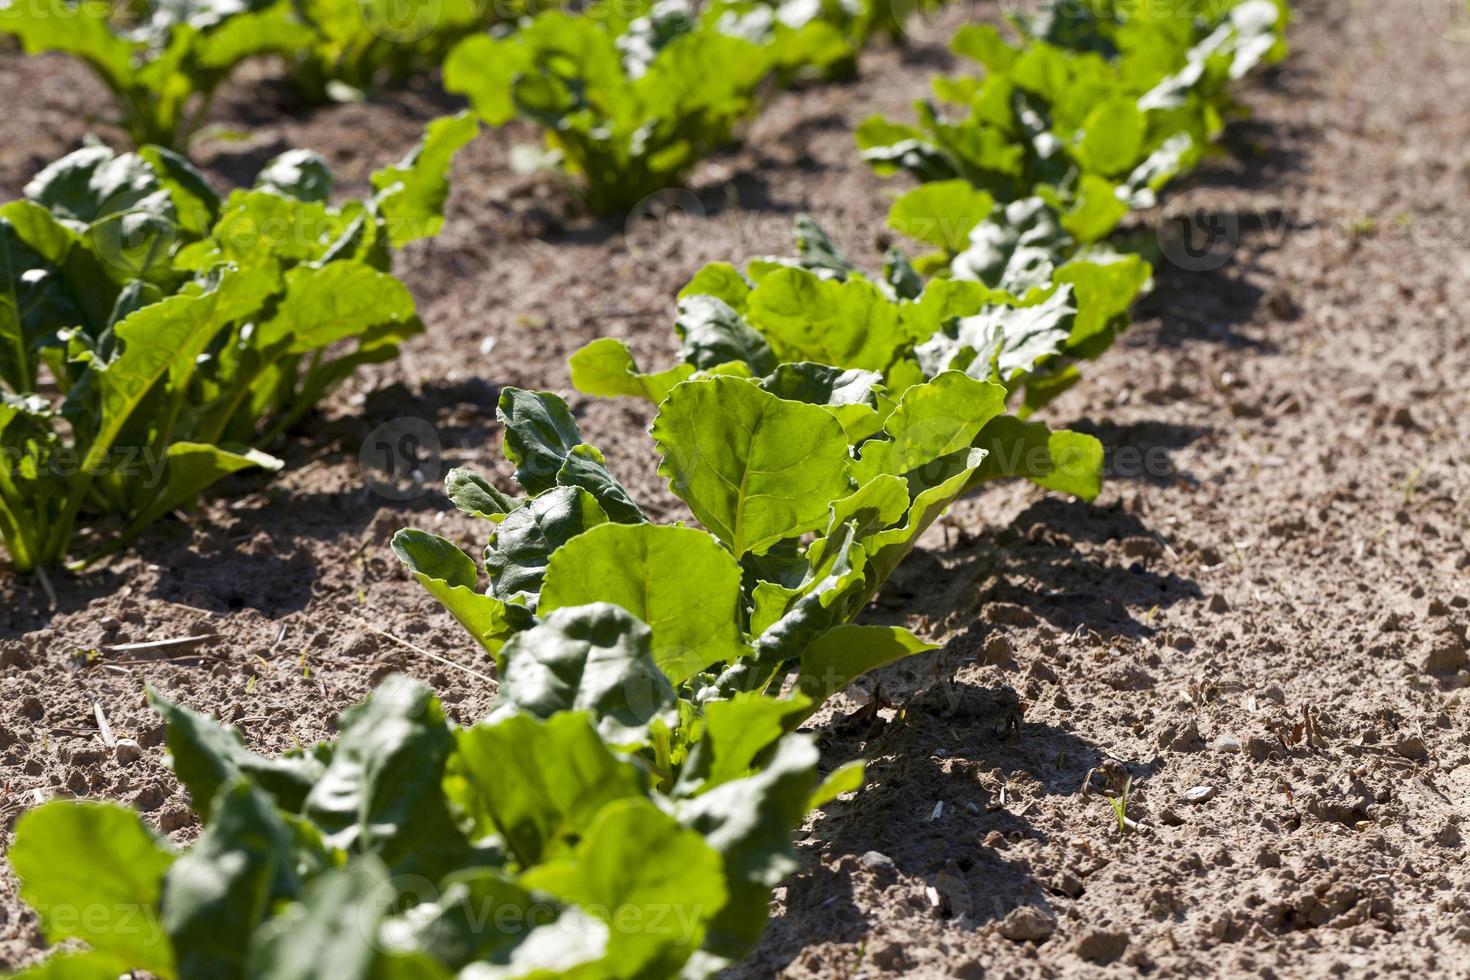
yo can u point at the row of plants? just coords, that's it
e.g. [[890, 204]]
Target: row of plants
[[154, 338], [164, 62], [628, 804]]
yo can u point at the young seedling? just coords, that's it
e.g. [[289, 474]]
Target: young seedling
[[1117, 784]]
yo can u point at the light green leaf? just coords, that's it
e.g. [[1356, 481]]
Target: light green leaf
[[338, 301], [537, 782], [451, 577], [606, 368], [102, 860], [754, 468], [941, 213], [844, 653], [850, 324], [678, 580], [932, 421], [411, 195], [675, 879], [1065, 461]]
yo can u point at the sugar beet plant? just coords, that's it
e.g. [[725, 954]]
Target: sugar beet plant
[[1091, 112], [893, 327], [628, 107], [154, 338], [627, 805], [164, 66]]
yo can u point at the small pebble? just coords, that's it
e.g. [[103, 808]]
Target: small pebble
[[879, 862], [1027, 924], [1227, 743], [1199, 794], [127, 751]]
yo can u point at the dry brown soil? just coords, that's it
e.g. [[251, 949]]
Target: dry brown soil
[[1269, 600]]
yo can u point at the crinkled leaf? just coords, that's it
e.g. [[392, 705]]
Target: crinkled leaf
[[525, 540], [713, 333], [381, 792], [596, 658]]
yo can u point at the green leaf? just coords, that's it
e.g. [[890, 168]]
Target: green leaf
[[528, 936], [538, 783], [216, 894], [750, 822], [336, 302], [932, 421], [722, 281], [192, 468], [712, 333], [94, 872], [525, 540], [206, 756], [853, 396], [677, 580], [656, 882], [1065, 461], [941, 213], [1003, 342], [586, 467], [411, 195], [843, 654], [741, 729], [540, 434], [850, 324], [298, 174], [1104, 291], [1113, 137], [606, 368], [595, 658], [331, 931], [1017, 247], [451, 577], [381, 792], [846, 778], [754, 468], [90, 965], [474, 495]]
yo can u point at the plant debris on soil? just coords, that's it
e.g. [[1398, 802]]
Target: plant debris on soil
[[1260, 626]]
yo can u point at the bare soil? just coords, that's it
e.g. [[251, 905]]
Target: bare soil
[[1269, 600]]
